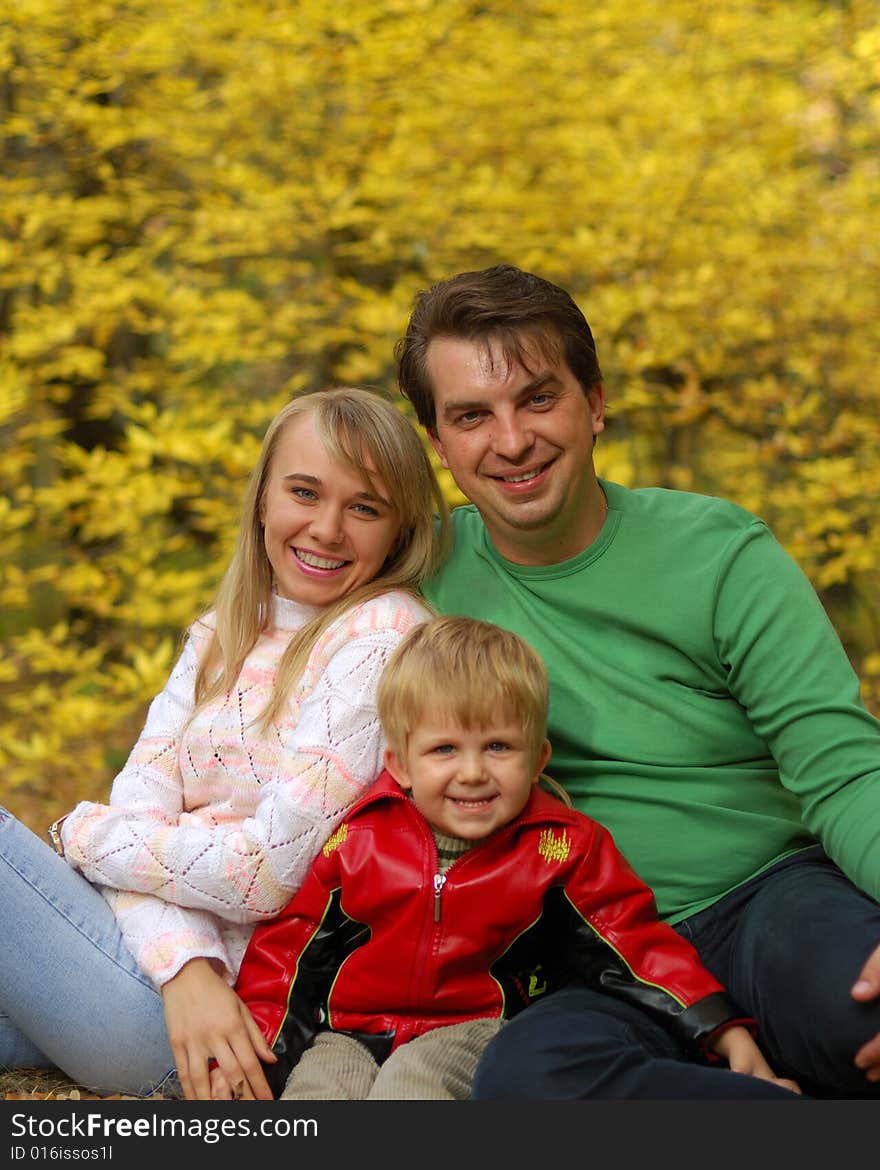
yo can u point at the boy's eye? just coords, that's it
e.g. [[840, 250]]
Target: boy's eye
[[497, 746], [444, 749]]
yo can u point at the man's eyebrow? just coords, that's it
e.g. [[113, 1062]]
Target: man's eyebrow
[[370, 497], [462, 405]]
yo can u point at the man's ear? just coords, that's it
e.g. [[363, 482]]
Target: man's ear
[[438, 446], [543, 758], [395, 766], [596, 406]]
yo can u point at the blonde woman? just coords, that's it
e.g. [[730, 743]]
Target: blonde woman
[[120, 954]]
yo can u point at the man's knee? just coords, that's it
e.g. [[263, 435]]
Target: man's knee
[[569, 1046]]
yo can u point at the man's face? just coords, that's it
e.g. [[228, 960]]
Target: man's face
[[519, 444]]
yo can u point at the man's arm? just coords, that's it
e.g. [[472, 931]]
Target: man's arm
[[787, 668]]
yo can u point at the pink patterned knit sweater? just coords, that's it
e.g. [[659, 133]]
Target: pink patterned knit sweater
[[212, 827]]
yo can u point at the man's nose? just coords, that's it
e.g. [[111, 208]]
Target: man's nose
[[512, 437]]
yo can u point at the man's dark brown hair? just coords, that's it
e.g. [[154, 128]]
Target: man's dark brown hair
[[520, 311]]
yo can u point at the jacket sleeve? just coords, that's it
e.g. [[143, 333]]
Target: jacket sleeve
[[245, 870], [787, 668], [289, 967], [617, 944]]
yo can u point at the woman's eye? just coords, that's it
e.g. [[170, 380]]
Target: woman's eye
[[302, 493], [366, 510]]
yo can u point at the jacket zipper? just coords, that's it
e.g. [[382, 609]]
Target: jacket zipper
[[439, 883]]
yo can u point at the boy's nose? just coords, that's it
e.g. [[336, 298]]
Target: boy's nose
[[471, 767]]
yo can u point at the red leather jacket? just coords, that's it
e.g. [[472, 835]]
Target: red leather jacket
[[377, 944]]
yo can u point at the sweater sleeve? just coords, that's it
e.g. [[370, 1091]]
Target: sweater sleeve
[[616, 942], [163, 937], [789, 671], [246, 870], [149, 785]]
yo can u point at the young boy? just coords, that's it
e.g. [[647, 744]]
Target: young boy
[[457, 892]]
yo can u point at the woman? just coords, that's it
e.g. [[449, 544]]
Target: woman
[[265, 734]]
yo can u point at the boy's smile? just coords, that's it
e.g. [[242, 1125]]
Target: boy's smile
[[468, 781]]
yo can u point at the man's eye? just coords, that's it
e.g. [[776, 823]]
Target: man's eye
[[470, 417], [541, 399]]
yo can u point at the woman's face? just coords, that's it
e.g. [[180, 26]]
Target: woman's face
[[326, 530]]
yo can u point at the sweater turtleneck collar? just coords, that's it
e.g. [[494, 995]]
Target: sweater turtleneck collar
[[290, 615]]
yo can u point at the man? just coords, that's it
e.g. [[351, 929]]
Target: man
[[702, 706]]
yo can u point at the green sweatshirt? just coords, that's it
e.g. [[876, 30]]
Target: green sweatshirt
[[702, 706]]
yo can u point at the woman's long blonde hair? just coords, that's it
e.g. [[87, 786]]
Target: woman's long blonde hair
[[370, 435]]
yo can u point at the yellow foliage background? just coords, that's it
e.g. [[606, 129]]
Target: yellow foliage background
[[207, 206]]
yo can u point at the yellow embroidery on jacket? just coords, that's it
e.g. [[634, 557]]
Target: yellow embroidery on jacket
[[335, 839], [536, 988], [553, 848]]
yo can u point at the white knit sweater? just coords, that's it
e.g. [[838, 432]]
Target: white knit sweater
[[213, 827]]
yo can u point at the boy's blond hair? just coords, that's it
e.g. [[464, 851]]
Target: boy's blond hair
[[465, 669]]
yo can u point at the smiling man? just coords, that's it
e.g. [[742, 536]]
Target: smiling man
[[520, 444], [701, 705]]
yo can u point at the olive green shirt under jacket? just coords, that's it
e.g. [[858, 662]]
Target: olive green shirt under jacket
[[702, 706]]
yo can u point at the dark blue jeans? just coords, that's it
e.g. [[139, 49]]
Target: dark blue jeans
[[788, 945]]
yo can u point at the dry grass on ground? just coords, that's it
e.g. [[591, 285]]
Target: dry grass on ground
[[40, 1085]]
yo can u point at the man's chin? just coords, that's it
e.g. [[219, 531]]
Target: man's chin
[[530, 516]]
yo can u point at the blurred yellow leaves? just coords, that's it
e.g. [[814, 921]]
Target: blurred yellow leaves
[[207, 207]]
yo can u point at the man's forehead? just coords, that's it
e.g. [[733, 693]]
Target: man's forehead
[[537, 352]]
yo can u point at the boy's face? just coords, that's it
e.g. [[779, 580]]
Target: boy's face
[[467, 782]]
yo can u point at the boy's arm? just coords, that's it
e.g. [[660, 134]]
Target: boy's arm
[[616, 941], [289, 966]]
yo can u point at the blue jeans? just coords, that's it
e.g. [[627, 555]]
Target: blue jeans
[[788, 945], [71, 994]]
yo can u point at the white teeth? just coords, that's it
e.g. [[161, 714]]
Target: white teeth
[[310, 558], [519, 478]]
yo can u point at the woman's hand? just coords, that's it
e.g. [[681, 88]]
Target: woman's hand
[[206, 1020]]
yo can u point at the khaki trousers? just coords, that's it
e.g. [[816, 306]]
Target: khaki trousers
[[438, 1066]]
